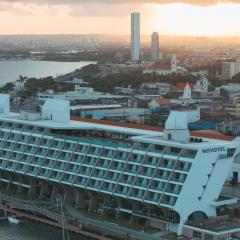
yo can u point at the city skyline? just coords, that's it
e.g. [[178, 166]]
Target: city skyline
[[198, 18]]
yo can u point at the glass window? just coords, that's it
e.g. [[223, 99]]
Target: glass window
[[208, 237], [230, 152], [197, 234]]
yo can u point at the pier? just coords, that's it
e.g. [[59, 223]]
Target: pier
[[8, 208]]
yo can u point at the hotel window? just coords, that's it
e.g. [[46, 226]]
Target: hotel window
[[166, 162], [169, 136], [208, 237], [230, 152], [175, 150], [159, 147], [197, 234]]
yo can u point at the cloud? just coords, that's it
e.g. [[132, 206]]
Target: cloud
[[119, 2], [92, 8]]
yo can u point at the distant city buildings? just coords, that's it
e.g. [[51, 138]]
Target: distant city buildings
[[82, 94], [233, 108], [162, 88], [229, 69], [162, 68], [135, 36], [187, 93], [114, 68], [201, 85], [155, 46]]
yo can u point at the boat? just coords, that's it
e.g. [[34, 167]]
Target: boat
[[14, 220]]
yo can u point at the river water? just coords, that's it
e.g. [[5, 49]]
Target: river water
[[30, 230], [11, 70]]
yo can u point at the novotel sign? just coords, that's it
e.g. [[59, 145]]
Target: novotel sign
[[215, 149]]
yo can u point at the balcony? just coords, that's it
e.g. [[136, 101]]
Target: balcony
[[223, 200]]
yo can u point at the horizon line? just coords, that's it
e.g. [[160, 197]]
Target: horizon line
[[121, 35]]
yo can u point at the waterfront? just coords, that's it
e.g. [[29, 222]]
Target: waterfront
[[30, 230], [11, 70]]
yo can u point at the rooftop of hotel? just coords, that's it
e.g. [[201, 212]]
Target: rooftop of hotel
[[73, 124], [141, 133], [56, 115]]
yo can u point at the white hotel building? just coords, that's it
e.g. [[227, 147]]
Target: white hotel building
[[164, 177]]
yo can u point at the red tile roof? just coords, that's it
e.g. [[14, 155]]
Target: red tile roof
[[212, 134], [118, 124], [160, 66], [182, 85], [184, 108], [162, 101]]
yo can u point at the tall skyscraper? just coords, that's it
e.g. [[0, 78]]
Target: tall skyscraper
[[155, 46], [135, 36]]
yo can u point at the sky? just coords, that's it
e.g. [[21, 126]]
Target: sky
[[169, 17]]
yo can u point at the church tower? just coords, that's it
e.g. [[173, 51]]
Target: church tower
[[174, 64], [187, 93]]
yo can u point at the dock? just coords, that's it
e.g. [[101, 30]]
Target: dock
[[3, 218], [68, 227]]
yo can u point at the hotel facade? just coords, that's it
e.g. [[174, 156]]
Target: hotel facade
[[166, 177]]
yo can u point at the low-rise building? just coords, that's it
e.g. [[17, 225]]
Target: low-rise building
[[134, 115], [160, 68], [229, 69], [82, 94], [233, 108], [201, 85], [162, 88], [159, 102]]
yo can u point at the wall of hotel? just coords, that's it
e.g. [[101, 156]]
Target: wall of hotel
[[44, 189], [196, 195], [236, 163], [188, 232], [80, 199]]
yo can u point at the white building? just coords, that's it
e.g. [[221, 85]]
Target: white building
[[4, 103], [19, 85], [82, 93], [155, 46], [233, 108], [135, 36], [162, 87], [165, 68], [56, 110], [174, 66], [187, 93], [166, 178], [79, 88], [229, 69], [159, 102], [201, 85]]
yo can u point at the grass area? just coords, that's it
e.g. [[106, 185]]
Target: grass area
[[121, 221]]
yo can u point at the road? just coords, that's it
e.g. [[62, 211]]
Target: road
[[108, 226]]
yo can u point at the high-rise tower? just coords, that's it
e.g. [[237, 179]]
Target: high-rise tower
[[155, 46], [135, 36]]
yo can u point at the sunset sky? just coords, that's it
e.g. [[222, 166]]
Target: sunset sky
[[187, 17]]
